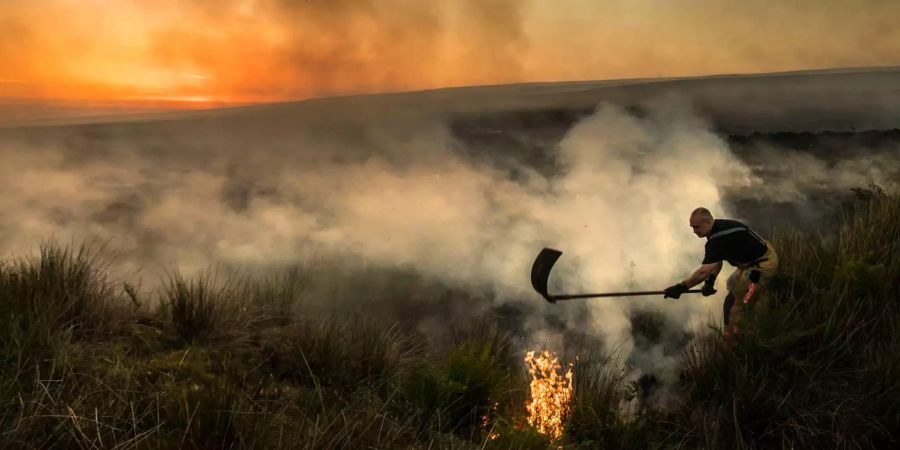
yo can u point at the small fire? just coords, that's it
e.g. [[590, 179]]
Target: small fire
[[551, 393], [488, 426]]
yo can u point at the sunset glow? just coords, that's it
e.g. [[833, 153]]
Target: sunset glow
[[273, 50]]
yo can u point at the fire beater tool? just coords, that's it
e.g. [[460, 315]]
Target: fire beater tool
[[540, 273]]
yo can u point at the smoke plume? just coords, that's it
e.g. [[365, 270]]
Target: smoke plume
[[389, 203], [270, 50]]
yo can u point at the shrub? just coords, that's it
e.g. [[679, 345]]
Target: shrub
[[600, 411], [466, 387], [339, 352], [199, 308], [805, 374]]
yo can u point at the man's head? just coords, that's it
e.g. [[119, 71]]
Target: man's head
[[701, 222]]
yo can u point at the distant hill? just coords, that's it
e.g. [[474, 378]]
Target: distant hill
[[819, 100]]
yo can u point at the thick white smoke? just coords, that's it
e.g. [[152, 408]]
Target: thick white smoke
[[393, 190], [617, 208], [621, 210]]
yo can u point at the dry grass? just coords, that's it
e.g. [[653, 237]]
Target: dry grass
[[241, 363]]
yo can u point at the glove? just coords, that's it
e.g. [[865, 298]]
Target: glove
[[709, 286], [754, 276], [675, 291]]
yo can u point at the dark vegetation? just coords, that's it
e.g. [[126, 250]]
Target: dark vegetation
[[86, 363]]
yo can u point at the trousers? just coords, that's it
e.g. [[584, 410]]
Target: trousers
[[734, 309]]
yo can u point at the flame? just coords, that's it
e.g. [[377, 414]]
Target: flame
[[551, 393], [486, 424]]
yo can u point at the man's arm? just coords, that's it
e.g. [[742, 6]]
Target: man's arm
[[702, 273]]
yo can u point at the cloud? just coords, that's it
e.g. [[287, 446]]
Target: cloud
[[264, 50]]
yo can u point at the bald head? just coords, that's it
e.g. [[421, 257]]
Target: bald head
[[702, 213], [701, 222]]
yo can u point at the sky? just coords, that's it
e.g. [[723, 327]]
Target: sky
[[244, 51]]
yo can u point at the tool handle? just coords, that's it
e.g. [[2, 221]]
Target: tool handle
[[554, 298]]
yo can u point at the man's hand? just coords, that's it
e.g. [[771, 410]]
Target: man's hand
[[675, 291], [709, 287]]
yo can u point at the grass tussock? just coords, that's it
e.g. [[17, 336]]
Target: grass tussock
[[814, 371], [243, 363]]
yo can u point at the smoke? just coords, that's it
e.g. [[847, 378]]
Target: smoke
[[800, 175], [807, 181], [257, 50], [264, 50], [321, 47], [395, 195], [390, 204]]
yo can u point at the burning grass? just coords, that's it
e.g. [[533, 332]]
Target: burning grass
[[551, 393], [245, 364]]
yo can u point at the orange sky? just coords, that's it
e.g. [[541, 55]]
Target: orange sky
[[271, 50]]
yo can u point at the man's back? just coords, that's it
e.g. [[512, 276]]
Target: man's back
[[732, 241]]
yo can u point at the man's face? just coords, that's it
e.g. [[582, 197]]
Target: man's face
[[701, 227]]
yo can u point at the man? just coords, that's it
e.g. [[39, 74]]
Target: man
[[732, 241]]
